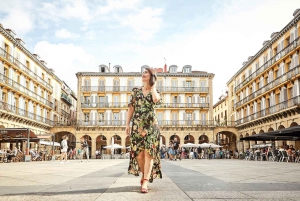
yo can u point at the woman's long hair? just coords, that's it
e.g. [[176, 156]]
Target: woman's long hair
[[153, 76]]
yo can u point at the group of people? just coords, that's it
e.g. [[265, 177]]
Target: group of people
[[266, 153], [81, 151], [8, 155]]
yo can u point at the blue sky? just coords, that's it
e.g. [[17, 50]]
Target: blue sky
[[216, 36]]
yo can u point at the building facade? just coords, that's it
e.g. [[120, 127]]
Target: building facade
[[220, 110], [264, 94], [29, 91], [186, 111]]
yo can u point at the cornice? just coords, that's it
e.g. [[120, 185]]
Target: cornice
[[137, 74], [292, 23], [27, 52]]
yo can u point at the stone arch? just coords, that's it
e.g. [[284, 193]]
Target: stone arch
[[117, 140], [163, 140], [1, 126], [71, 138], [270, 129], [173, 136], [89, 141], [247, 134], [241, 136], [203, 139], [227, 139], [293, 124], [101, 141], [189, 139], [253, 133], [261, 131], [281, 127]]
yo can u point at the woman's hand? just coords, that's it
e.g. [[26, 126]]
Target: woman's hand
[[127, 130]]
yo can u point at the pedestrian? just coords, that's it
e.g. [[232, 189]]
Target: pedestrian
[[171, 150], [176, 146], [84, 149], [74, 153], [162, 153], [64, 149], [145, 134]]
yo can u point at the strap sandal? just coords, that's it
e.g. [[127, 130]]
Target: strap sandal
[[144, 190]]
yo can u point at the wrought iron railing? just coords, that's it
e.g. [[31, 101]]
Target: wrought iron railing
[[271, 110], [280, 80], [163, 105], [129, 89], [24, 113], [23, 68], [18, 87], [270, 62]]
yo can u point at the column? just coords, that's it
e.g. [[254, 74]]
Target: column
[[93, 149]]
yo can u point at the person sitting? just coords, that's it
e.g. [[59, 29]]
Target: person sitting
[[12, 154]]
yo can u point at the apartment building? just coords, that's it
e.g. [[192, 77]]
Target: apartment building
[[264, 94], [30, 92], [220, 110], [186, 112]]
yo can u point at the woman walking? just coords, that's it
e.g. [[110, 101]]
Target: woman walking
[[64, 149], [144, 134]]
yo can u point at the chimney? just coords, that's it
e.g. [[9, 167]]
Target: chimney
[[165, 68], [20, 41], [37, 56], [44, 62], [11, 32]]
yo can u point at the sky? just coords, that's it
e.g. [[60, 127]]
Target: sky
[[215, 36]]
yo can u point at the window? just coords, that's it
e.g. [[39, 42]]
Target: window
[[102, 69], [117, 70], [101, 117], [186, 70], [173, 70], [86, 117]]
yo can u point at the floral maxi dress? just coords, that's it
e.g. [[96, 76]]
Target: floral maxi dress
[[145, 133]]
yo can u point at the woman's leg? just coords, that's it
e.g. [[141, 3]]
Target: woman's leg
[[141, 161], [147, 168]]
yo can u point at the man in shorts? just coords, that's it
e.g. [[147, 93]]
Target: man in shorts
[[84, 149], [176, 146]]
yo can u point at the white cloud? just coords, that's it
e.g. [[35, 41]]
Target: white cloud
[[65, 59], [113, 5], [146, 22], [17, 17], [63, 33], [236, 33], [77, 9], [91, 35]]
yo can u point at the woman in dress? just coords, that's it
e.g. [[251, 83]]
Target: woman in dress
[[144, 133]]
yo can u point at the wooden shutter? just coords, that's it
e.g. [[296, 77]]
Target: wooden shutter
[[284, 94], [282, 45], [295, 91], [207, 99], [296, 60], [292, 37], [296, 33]]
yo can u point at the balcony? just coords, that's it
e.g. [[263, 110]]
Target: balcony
[[293, 45], [179, 123], [111, 89], [163, 105], [24, 113], [64, 113], [66, 98], [278, 81], [22, 67], [276, 109], [19, 88], [183, 105]]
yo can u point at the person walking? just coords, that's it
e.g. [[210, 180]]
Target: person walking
[[144, 133], [176, 146], [64, 149], [84, 149]]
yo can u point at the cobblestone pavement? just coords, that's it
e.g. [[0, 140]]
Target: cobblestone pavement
[[182, 180]]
